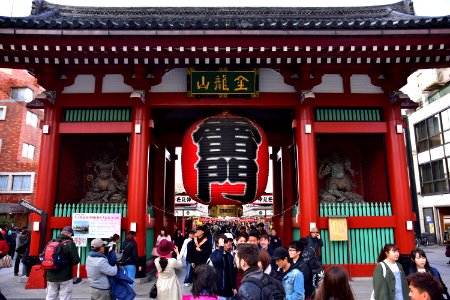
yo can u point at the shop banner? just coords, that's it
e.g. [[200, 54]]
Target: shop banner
[[95, 225]]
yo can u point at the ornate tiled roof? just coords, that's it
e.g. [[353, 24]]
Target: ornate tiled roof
[[46, 15]]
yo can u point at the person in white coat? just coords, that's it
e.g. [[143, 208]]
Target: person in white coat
[[183, 253], [167, 283]]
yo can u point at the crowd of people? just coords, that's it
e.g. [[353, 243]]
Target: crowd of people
[[226, 262]]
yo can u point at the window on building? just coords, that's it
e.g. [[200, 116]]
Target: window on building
[[1, 143], [434, 131], [421, 136], [21, 182], [22, 94], [4, 182], [445, 118], [2, 112], [428, 133], [32, 119], [433, 177], [28, 151]]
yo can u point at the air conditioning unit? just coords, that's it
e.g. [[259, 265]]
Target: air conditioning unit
[[433, 79]]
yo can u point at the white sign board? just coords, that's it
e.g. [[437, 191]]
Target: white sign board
[[80, 241], [95, 225], [264, 199], [184, 200]]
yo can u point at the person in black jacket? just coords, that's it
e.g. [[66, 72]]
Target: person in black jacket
[[130, 255], [315, 242], [222, 261], [178, 239], [419, 264], [199, 249]]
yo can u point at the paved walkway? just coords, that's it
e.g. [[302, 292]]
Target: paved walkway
[[12, 289]]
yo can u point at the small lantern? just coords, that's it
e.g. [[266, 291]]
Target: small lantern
[[225, 160]]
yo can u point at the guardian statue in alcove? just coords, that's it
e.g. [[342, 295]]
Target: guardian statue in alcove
[[108, 184], [338, 185]]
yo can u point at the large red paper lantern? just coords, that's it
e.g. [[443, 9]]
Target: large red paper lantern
[[225, 160]]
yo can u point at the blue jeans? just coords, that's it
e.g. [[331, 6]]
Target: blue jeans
[[188, 271], [131, 272]]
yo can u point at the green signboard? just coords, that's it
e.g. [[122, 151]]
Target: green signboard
[[222, 83]]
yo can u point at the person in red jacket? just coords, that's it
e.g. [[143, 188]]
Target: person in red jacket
[[4, 248]]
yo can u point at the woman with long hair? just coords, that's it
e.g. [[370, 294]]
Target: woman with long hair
[[419, 264], [204, 286], [389, 280], [162, 236], [335, 285], [167, 283]]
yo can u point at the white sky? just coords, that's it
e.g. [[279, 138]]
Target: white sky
[[422, 7]]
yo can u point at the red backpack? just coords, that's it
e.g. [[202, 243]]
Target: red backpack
[[54, 257]]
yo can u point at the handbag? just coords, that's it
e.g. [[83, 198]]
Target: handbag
[[153, 291], [119, 255], [5, 262]]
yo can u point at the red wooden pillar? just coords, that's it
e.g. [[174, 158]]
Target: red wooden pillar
[[159, 189], [287, 175], [276, 185], [398, 178], [46, 176], [138, 174], [307, 167], [170, 191]]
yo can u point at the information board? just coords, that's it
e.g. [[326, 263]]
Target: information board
[[338, 229], [94, 225]]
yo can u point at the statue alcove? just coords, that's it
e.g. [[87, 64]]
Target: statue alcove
[[366, 157], [93, 169]]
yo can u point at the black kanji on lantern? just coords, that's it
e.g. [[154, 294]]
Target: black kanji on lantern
[[227, 149]]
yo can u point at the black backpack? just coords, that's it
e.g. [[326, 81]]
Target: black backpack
[[315, 266], [271, 289]]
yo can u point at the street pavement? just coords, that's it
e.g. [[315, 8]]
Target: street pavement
[[362, 286]]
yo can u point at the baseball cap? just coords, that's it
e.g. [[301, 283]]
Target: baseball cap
[[68, 229], [314, 230], [280, 253], [228, 235], [97, 243]]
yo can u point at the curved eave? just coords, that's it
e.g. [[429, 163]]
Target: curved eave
[[244, 25]]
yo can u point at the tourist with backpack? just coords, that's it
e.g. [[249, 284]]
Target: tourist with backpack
[[293, 282], [308, 259], [389, 280], [60, 276], [255, 284]]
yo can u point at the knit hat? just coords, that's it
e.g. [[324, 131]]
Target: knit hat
[[165, 247]]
